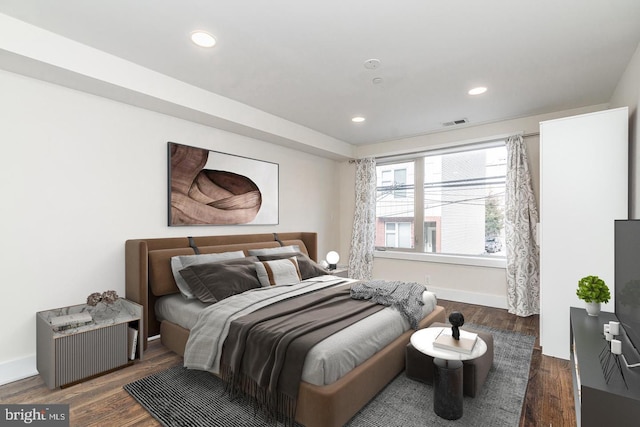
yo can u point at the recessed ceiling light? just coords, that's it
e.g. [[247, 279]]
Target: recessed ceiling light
[[358, 119], [203, 39], [477, 90]]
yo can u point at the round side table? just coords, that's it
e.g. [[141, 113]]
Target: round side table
[[447, 374]]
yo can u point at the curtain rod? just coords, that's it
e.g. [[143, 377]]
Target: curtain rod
[[488, 141]]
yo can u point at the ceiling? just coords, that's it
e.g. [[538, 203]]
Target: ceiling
[[304, 61]]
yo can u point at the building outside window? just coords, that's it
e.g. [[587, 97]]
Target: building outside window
[[395, 204], [459, 209], [398, 234]]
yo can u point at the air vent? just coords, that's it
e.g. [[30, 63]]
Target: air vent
[[455, 122]]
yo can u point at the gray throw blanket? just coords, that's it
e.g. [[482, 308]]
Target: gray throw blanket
[[406, 297], [264, 352]]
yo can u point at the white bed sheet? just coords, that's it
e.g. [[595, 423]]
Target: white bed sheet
[[333, 357]]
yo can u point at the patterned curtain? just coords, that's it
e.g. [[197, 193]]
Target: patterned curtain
[[521, 218], [364, 221]]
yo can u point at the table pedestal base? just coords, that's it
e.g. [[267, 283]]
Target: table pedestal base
[[447, 388]]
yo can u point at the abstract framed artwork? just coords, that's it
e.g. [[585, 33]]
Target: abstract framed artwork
[[211, 188]]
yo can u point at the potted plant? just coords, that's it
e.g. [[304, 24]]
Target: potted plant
[[593, 291]]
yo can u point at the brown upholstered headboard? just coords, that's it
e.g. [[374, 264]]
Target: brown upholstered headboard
[[148, 269]]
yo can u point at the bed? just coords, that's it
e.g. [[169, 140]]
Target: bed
[[149, 278]]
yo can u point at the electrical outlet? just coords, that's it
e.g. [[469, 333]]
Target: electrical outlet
[[427, 279]]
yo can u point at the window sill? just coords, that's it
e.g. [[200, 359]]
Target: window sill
[[478, 261]]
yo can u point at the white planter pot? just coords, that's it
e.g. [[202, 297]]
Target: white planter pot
[[593, 308]]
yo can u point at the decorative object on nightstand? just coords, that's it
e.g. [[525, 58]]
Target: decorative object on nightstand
[[332, 258], [77, 342], [68, 321], [103, 304], [456, 319], [452, 339], [593, 291]]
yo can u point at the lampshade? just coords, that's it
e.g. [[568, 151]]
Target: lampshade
[[332, 259]]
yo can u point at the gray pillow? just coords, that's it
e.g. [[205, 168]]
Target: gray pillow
[[215, 281], [184, 261], [308, 267], [273, 251]]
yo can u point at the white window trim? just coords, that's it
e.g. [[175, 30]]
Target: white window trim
[[477, 261]]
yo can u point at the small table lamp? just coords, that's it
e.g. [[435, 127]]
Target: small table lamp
[[332, 259]]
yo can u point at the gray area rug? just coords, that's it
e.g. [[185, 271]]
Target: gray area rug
[[181, 397]]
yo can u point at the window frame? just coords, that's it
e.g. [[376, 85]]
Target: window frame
[[418, 252]]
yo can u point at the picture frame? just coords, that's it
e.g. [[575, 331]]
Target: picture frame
[[208, 187]]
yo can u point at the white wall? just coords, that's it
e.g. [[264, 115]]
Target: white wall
[[81, 174]]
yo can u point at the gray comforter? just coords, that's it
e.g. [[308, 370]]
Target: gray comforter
[[326, 362], [204, 347]]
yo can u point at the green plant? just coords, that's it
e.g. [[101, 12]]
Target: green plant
[[593, 289], [493, 216]]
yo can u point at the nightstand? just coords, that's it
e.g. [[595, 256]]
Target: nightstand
[[108, 342]]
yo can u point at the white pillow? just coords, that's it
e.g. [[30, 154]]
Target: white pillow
[[278, 272], [274, 251], [184, 261]]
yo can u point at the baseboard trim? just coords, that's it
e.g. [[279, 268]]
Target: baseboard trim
[[496, 301], [19, 369]]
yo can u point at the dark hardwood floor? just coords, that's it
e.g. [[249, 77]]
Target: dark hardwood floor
[[549, 398], [103, 402]]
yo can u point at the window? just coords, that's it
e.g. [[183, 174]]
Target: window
[[459, 210], [398, 234], [395, 203], [394, 181], [400, 183]]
